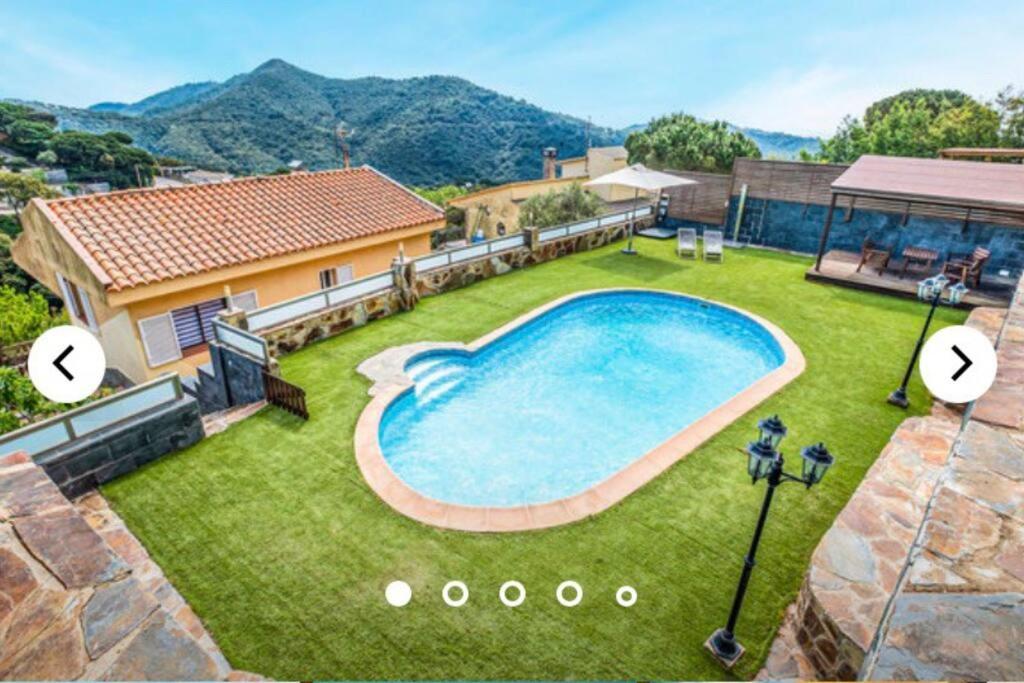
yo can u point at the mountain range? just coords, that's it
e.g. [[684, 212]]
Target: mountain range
[[423, 131]]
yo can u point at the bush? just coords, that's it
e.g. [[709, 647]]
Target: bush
[[25, 316], [554, 208]]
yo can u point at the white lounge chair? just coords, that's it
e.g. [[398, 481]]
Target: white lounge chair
[[713, 250], [686, 243]]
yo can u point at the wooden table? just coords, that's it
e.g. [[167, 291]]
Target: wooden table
[[919, 256]]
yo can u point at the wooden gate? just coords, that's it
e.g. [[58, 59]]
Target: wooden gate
[[285, 395]]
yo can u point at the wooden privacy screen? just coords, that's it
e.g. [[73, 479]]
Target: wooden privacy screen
[[706, 202]]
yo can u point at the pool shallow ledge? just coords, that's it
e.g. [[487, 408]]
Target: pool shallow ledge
[[387, 371]]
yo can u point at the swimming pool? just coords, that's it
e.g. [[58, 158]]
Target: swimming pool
[[550, 407]]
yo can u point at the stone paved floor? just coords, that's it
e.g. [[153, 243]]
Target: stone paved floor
[[80, 597]]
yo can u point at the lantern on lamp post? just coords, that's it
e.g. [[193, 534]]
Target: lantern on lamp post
[[764, 461], [929, 290]]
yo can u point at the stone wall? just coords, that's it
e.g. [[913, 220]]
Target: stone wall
[[98, 457], [922, 576], [243, 376], [411, 286], [295, 334], [459, 275], [79, 599], [796, 226]]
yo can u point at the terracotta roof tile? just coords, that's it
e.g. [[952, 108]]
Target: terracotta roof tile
[[138, 237]]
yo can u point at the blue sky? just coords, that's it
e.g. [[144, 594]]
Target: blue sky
[[792, 66]]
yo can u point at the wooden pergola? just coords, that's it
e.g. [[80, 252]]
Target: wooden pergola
[[986, 153], [945, 187]]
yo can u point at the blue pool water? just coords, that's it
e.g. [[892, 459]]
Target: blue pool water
[[570, 398]]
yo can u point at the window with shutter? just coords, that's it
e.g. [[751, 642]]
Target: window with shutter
[[328, 278], [159, 339], [345, 274], [193, 325]]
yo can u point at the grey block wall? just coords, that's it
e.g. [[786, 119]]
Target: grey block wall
[[107, 453], [797, 227], [242, 375]]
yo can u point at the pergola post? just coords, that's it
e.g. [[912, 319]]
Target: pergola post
[[824, 233]]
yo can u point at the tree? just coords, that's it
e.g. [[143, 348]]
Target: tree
[[681, 142], [554, 208], [903, 126], [20, 188], [25, 130], [19, 400], [104, 158], [935, 101], [25, 316], [47, 157], [1010, 105]]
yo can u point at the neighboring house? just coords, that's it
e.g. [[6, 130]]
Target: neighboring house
[[147, 270], [496, 209], [598, 161]]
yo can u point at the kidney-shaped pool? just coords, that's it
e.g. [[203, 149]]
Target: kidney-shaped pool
[[548, 408]]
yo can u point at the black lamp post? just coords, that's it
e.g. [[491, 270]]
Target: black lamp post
[[929, 290], [765, 462]]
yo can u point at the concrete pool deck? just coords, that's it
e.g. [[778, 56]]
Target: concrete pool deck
[[387, 371]]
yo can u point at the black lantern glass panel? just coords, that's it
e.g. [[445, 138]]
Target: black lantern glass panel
[[762, 458], [817, 460], [770, 431]]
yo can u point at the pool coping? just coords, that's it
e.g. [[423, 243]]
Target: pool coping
[[387, 371]]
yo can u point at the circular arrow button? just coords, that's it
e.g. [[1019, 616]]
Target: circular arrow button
[[66, 364], [958, 364]]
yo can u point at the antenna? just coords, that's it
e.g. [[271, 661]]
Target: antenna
[[343, 134]]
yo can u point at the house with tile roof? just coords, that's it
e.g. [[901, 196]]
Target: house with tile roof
[[148, 270]]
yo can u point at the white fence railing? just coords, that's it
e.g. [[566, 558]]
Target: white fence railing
[[480, 249], [275, 314], [61, 429], [473, 251], [240, 340]]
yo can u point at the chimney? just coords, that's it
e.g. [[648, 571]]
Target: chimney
[[550, 155]]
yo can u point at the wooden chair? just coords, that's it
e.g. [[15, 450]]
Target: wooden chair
[[967, 268], [871, 250]]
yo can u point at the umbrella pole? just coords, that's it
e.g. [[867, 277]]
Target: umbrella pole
[[632, 225]]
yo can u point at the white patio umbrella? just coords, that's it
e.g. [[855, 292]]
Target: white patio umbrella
[[638, 177]]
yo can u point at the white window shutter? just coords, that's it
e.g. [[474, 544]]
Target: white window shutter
[[65, 292], [345, 274], [245, 301], [87, 305], [159, 340]]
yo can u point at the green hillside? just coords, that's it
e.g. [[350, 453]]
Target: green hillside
[[423, 131]]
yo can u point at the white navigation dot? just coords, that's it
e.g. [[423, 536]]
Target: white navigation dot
[[66, 364], [958, 364], [398, 593]]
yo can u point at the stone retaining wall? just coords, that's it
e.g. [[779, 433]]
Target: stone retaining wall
[[81, 599], [411, 286], [461, 274], [295, 334], [97, 457], [922, 576]]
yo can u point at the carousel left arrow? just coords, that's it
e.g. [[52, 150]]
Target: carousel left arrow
[[59, 359], [66, 364]]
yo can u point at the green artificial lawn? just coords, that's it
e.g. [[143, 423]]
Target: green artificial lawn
[[270, 532]]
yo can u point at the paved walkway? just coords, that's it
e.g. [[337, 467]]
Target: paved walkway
[[80, 597]]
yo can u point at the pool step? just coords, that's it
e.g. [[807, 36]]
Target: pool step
[[435, 390], [437, 379]]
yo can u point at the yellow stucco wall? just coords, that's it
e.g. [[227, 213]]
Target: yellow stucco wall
[[42, 251]]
